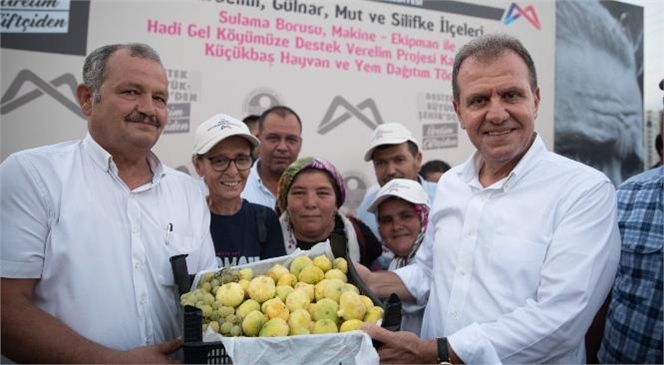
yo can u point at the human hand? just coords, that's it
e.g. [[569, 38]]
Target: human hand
[[400, 347], [153, 354], [363, 272]]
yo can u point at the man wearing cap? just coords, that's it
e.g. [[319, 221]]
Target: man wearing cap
[[242, 232], [280, 134], [395, 153], [402, 207]]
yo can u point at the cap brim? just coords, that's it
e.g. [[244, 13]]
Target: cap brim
[[374, 206], [369, 154], [213, 142]]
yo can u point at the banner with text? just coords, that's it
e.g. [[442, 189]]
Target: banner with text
[[344, 66]]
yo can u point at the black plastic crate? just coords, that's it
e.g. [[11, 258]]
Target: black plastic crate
[[198, 352]]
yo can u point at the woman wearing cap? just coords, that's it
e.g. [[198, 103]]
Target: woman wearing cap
[[310, 192], [402, 211], [241, 230]]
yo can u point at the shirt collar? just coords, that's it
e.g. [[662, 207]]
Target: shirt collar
[[470, 171], [102, 159], [255, 171]]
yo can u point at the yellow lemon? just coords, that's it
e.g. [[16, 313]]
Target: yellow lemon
[[252, 323], [350, 325], [341, 264], [275, 327], [261, 288], [322, 262], [230, 294], [325, 326], [311, 274], [299, 263]]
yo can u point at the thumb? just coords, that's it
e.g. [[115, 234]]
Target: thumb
[[377, 332], [171, 346]]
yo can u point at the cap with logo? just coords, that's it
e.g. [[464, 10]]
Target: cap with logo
[[406, 189], [389, 133], [218, 128]]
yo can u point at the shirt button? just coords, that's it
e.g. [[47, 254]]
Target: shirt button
[[135, 229], [137, 265], [455, 313]]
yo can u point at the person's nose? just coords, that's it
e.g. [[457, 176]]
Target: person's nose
[[231, 169], [310, 200], [496, 113], [397, 224], [282, 145], [391, 169], [146, 105]]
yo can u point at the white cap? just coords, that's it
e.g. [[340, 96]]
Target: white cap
[[406, 189], [389, 133], [218, 128]]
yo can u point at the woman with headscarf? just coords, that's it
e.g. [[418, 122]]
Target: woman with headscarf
[[402, 210], [309, 196]]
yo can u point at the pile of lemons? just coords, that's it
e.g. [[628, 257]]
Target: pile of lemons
[[309, 297]]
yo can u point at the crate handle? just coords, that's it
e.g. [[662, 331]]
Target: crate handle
[[180, 273]]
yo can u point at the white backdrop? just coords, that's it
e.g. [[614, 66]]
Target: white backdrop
[[219, 67]]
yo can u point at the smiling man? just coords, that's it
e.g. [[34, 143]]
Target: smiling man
[[522, 245], [395, 154], [88, 227], [280, 135]]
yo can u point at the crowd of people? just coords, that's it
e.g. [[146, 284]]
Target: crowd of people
[[504, 258]]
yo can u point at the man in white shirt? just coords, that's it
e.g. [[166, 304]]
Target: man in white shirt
[[522, 250], [395, 154], [88, 227], [280, 134]]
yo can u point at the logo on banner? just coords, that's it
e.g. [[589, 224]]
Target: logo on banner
[[55, 26], [372, 121], [11, 100], [184, 88], [261, 99], [35, 16], [514, 12], [440, 135]]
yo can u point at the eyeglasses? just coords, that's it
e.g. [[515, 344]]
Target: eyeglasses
[[221, 163]]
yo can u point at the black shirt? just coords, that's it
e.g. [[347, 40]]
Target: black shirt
[[236, 236]]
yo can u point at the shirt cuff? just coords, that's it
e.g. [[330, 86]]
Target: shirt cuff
[[472, 346]]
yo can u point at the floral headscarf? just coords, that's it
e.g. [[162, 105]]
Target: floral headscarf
[[309, 163]]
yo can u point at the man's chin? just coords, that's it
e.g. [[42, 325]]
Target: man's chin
[[279, 168]]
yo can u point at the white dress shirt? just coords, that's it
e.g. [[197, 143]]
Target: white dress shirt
[[516, 271], [101, 251], [254, 190]]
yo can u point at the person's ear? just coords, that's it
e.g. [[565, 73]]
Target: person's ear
[[84, 96], [536, 99], [457, 110], [198, 165]]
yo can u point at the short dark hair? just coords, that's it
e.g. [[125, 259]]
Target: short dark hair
[[489, 48], [94, 67], [280, 110], [251, 119], [434, 166]]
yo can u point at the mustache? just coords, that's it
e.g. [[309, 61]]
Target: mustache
[[138, 117]]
